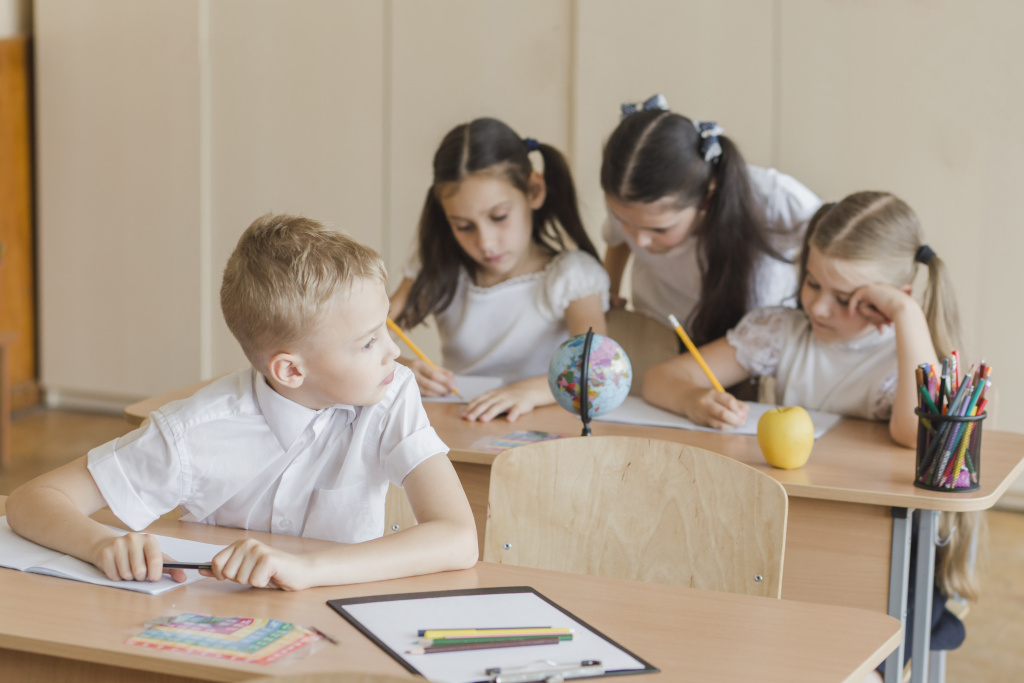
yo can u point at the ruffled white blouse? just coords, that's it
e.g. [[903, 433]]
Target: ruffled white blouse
[[855, 378], [512, 329]]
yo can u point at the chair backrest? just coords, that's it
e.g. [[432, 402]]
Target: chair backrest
[[644, 339], [641, 509]]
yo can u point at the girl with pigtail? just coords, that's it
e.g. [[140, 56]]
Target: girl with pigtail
[[851, 347], [504, 265], [711, 237]]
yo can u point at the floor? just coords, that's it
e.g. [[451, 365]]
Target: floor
[[42, 440]]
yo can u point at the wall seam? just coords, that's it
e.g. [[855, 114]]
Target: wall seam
[[386, 130], [776, 122], [206, 285]]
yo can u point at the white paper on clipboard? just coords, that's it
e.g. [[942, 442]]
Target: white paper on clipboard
[[393, 622]]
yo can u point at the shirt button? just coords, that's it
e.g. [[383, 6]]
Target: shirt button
[[285, 525]]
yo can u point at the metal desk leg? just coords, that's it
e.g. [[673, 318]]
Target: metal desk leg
[[923, 578], [899, 574]]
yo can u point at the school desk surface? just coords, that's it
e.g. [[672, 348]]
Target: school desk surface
[[53, 627], [850, 506]]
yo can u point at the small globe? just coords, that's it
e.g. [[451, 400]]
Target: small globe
[[609, 375]]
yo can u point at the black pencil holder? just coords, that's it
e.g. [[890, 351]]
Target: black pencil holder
[[948, 452]]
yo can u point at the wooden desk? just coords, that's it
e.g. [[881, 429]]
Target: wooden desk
[[851, 506], [52, 627]]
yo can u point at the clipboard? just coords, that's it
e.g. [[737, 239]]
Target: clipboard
[[393, 621]]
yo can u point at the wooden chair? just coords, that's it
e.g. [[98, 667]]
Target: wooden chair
[[645, 340], [641, 509]]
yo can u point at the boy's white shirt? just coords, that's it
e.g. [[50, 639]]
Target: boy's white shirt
[[239, 454]]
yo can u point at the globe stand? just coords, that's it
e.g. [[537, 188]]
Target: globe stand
[[584, 372]]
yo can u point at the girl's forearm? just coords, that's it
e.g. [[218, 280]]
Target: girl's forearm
[[913, 347]]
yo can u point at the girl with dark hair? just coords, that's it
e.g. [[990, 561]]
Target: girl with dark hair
[[504, 266], [711, 237]]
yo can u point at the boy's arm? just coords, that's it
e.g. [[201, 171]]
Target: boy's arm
[[444, 539], [679, 385], [583, 314], [53, 510]]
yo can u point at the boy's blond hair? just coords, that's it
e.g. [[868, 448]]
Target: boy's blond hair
[[281, 273]]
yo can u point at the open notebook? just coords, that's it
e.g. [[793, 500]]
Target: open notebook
[[469, 388], [24, 555], [636, 411]]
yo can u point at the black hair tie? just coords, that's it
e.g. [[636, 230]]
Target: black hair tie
[[924, 254]]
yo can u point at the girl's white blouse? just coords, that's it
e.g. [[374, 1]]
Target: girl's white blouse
[[856, 378], [511, 330]]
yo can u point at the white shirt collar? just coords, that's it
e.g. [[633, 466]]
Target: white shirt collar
[[286, 418]]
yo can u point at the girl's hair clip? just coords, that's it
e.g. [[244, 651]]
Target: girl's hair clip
[[710, 147], [531, 145], [656, 101]]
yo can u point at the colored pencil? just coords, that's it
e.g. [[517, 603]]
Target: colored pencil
[[482, 646], [491, 632], [426, 642], [412, 347], [695, 353]]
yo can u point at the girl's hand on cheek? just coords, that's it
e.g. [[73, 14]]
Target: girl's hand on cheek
[[879, 303], [432, 381]]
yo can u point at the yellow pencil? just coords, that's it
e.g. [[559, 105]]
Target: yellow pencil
[[695, 353], [412, 347]]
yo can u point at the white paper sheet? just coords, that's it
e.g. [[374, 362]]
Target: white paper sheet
[[636, 411], [24, 555], [469, 388], [396, 622]]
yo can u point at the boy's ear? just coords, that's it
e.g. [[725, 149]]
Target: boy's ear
[[286, 370], [537, 190]]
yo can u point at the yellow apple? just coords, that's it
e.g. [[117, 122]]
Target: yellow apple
[[786, 437]]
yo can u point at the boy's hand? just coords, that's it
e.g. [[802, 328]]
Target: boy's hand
[[252, 563], [133, 557], [616, 301], [432, 381], [515, 399], [716, 409]]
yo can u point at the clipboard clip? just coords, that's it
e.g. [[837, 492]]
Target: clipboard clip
[[551, 674]]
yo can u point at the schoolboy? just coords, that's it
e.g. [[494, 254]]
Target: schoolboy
[[303, 443]]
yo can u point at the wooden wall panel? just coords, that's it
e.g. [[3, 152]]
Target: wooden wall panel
[[17, 262]]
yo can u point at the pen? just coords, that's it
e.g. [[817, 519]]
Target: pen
[[695, 353], [412, 347], [188, 565]]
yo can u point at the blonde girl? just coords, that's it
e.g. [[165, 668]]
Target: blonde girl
[[851, 347], [504, 267]]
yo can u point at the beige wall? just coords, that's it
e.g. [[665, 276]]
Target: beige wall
[[165, 127]]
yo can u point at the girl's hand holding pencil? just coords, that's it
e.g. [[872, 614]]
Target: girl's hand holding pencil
[[432, 380]]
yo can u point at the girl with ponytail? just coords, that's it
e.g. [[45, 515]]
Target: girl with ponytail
[[710, 236], [504, 266], [854, 342]]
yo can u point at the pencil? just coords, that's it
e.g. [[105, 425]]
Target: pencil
[[695, 353], [426, 642], [484, 632], [412, 347], [482, 646]]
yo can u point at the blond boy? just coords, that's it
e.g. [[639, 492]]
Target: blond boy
[[305, 442]]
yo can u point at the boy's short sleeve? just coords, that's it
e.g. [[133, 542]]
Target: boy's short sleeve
[[407, 439], [139, 474]]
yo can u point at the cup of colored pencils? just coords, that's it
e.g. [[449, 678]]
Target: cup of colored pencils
[[951, 409]]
